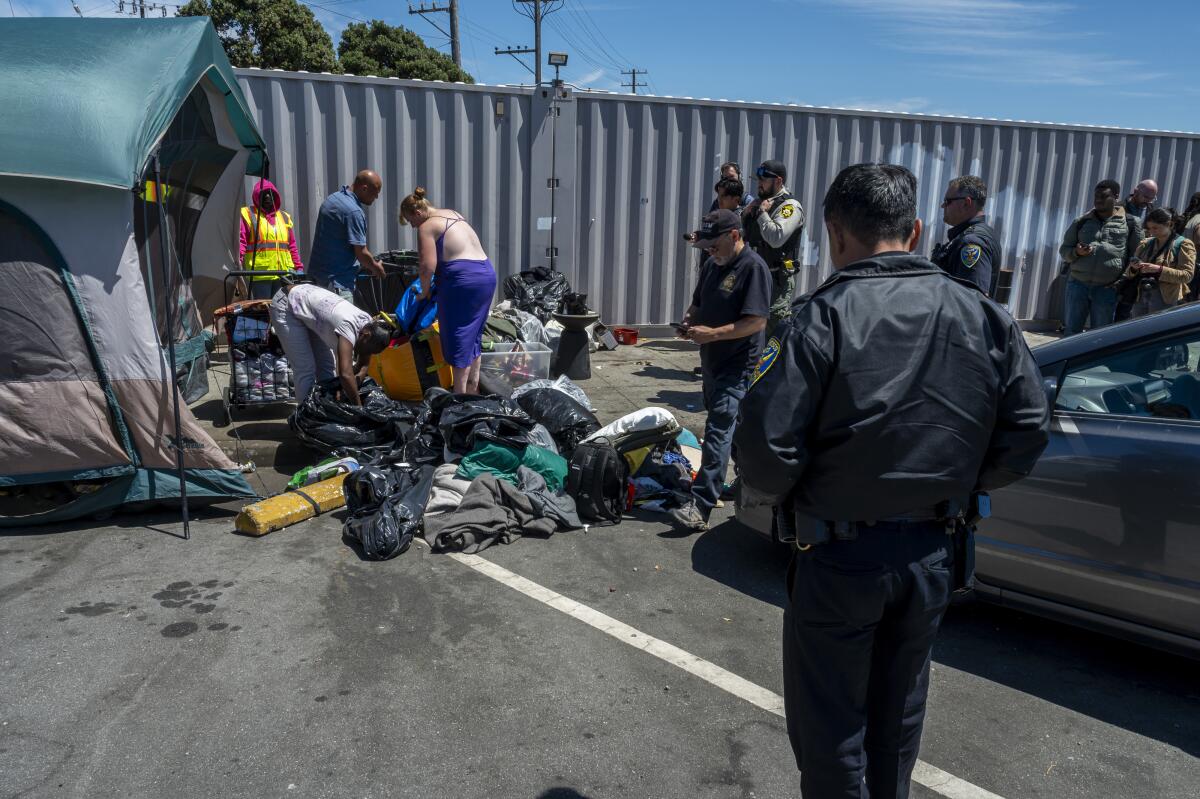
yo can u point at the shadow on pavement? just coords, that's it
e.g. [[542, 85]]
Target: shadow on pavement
[[1135, 688], [691, 401], [733, 555], [561, 793], [660, 373], [1129, 686]]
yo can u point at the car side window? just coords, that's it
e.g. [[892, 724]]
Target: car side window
[[1160, 378]]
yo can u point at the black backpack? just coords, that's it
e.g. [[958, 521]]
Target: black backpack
[[596, 479]]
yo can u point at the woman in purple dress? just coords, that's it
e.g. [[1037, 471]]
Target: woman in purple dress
[[462, 278]]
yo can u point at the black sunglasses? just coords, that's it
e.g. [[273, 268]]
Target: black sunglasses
[[763, 172]]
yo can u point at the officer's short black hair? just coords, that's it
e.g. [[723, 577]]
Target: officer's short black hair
[[971, 186], [730, 187], [1111, 185], [874, 202]]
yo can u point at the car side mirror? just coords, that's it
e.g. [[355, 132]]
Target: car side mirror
[[1050, 386]]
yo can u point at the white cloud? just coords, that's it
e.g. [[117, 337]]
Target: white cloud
[[590, 77], [1006, 41]]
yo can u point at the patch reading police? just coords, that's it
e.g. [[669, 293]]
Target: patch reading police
[[766, 360], [787, 211], [728, 283], [970, 255]]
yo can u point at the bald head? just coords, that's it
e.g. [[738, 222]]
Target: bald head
[[1145, 192], [367, 186]]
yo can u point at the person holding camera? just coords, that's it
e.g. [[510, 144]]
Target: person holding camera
[[731, 171], [1097, 248], [774, 224], [872, 445], [1163, 266], [726, 318]]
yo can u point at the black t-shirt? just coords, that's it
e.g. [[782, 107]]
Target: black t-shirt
[[724, 294]]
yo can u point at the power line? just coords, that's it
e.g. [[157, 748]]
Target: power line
[[633, 81], [518, 51], [452, 9], [537, 10], [590, 20], [584, 52], [616, 60]]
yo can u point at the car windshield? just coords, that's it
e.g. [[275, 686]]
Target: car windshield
[[1153, 379]]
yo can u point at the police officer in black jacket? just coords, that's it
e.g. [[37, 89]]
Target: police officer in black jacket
[[879, 413], [973, 249]]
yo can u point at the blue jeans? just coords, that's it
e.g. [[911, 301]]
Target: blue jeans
[[722, 396], [1093, 306]]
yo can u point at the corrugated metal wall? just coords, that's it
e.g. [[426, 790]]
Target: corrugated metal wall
[[643, 168]]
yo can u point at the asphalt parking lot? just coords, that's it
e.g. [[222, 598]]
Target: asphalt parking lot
[[624, 661]]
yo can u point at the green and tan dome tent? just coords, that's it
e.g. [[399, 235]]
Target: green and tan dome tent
[[123, 146]]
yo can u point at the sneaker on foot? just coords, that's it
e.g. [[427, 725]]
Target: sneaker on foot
[[689, 517]]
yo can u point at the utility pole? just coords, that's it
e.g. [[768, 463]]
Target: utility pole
[[517, 51], [537, 10], [139, 7], [452, 10], [633, 81]]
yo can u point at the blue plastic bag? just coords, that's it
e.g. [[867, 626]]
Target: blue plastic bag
[[413, 314]]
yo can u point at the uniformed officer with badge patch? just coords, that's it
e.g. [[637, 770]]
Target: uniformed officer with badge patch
[[774, 224], [727, 316], [973, 250], [875, 449]]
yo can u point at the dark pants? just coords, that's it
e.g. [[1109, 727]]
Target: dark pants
[[722, 395], [857, 634]]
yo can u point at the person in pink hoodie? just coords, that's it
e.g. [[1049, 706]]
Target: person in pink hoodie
[[267, 240]]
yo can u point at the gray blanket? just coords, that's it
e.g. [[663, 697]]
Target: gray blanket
[[497, 511]]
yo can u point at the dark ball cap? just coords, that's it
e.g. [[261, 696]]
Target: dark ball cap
[[714, 225], [772, 169]]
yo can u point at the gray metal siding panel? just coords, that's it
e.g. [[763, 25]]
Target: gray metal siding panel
[[646, 166]]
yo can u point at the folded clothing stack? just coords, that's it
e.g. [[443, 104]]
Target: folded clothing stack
[[265, 378]]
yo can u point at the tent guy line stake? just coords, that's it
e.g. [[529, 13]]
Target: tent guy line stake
[[169, 302]]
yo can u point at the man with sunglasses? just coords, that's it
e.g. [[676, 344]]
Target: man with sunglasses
[[726, 318], [973, 250], [773, 226]]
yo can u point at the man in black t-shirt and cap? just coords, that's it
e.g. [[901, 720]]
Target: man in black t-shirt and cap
[[728, 314]]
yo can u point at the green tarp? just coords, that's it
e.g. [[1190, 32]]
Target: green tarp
[[87, 100]]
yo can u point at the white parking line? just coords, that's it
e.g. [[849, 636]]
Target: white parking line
[[931, 777]]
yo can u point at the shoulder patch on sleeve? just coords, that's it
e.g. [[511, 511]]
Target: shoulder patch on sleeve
[[766, 360], [787, 210], [970, 255]]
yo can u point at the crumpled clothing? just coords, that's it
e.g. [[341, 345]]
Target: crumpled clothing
[[491, 511], [447, 492]]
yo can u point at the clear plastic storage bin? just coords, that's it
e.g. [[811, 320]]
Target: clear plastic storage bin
[[516, 364]]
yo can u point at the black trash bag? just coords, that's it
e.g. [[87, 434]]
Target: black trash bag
[[464, 420], [566, 419], [329, 425], [574, 304], [385, 529], [538, 291]]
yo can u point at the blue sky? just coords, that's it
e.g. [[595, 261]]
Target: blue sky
[[1101, 62]]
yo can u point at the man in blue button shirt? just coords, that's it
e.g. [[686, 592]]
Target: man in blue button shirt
[[340, 237]]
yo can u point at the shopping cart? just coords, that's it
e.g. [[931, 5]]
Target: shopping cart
[[259, 372]]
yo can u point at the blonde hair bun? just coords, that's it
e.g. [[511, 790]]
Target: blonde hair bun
[[419, 192]]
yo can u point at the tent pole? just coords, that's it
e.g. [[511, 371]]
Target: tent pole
[[160, 197]]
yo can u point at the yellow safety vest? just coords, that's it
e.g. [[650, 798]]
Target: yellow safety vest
[[271, 243]]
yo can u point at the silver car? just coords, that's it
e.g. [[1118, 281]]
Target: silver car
[[1106, 531]]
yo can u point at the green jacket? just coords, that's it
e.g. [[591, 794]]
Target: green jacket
[[1115, 240]]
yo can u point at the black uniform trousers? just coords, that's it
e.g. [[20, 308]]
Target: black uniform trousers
[[857, 635]]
